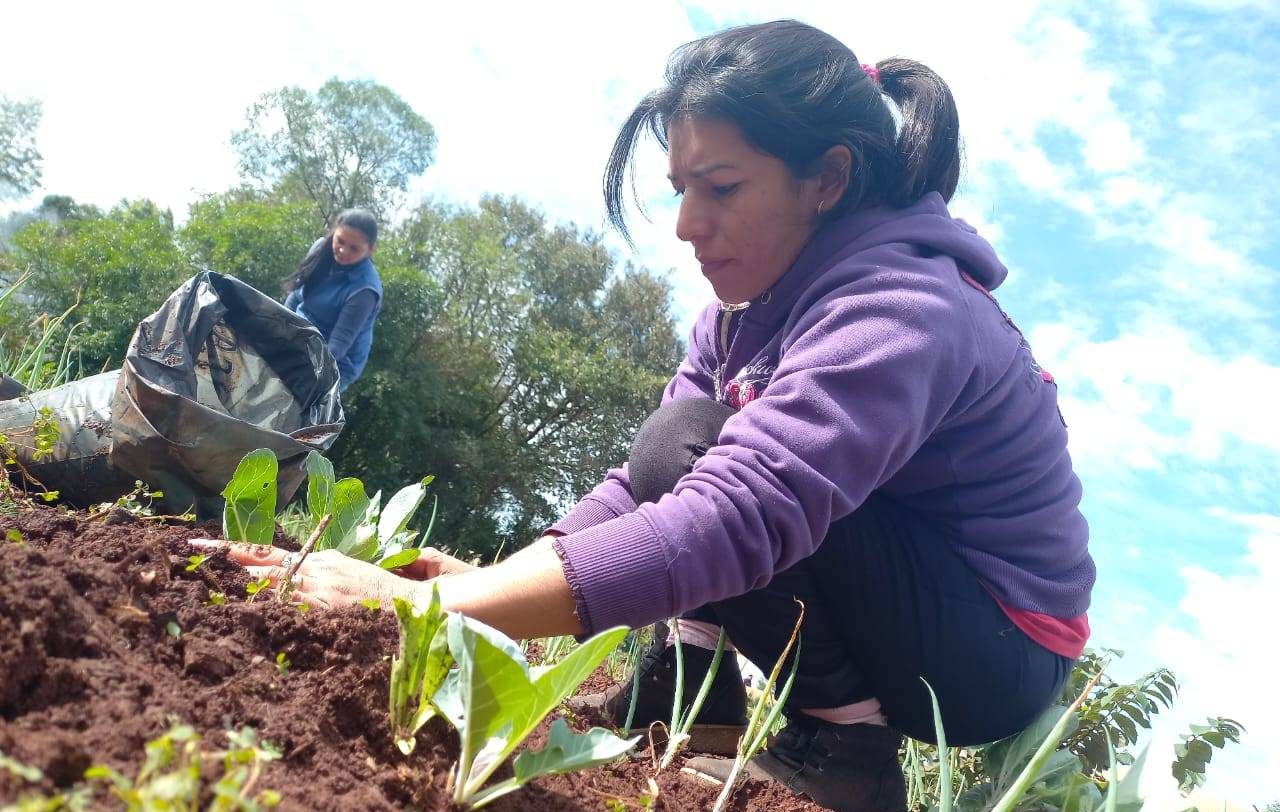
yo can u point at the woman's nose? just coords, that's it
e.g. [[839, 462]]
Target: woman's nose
[[694, 221]]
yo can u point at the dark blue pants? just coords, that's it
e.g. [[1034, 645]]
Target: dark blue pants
[[887, 601]]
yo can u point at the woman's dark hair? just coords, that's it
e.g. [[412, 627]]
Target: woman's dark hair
[[321, 254], [794, 92]]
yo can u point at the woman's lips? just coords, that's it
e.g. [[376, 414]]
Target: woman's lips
[[714, 265]]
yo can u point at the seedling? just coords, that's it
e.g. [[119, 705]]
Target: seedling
[[282, 663], [753, 738], [173, 629], [194, 562], [254, 587], [216, 598], [170, 777], [249, 513], [362, 528], [372, 604], [493, 699], [14, 535], [678, 734]]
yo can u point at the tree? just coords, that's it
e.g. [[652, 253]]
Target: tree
[[512, 360], [254, 240], [353, 143], [19, 158], [116, 268]]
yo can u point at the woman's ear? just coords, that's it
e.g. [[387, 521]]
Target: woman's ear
[[833, 175]]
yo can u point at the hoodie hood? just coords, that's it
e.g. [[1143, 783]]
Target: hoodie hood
[[927, 225]]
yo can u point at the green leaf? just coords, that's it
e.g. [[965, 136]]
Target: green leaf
[[400, 509], [502, 702], [348, 507], [320, 486], [403, 558], [249, 514], [421, 664], [567, 751]]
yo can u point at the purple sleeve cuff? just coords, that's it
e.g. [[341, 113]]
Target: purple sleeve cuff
[[618, 573], [587, 513]]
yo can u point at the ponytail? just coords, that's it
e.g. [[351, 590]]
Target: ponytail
[[319, 255], [929, 139]]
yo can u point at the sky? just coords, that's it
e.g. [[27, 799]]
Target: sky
[[1119, 155]]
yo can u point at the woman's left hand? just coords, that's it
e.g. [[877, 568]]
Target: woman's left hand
[[324, 579]]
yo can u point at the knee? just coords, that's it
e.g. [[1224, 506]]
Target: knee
[[670, 441]]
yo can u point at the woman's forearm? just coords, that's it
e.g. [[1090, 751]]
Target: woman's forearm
[[525, 596]]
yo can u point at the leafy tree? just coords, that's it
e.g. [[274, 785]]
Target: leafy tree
[[254, 240], [117, 267], [352, 143], [19, 158], [512, 360]]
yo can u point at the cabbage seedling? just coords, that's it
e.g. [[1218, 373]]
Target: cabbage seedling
[[495, 700], [419, 668], [250, 509]]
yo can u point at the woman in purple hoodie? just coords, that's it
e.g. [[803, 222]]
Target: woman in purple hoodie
[[857, 426]]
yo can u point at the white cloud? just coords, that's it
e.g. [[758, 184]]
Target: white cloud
[[1155, 393], [1221, 646]]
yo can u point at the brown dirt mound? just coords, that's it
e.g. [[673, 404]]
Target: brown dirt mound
[[91, 669]]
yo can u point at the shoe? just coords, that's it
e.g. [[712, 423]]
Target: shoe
[[719, 724], [847, 768]]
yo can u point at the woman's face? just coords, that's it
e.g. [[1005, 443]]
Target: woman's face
[[350, 245], [743, 212]]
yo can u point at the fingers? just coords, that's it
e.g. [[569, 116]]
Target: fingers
[[247, 554]]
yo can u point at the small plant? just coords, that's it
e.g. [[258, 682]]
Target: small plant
[[759, 725], [283, 664], [250, 509], [194, 562], [170, 777], [216, 598], [14, 536], [173, 629], [493, 699], [681, 724], [372, 604], [253, 588], [138, 503], [362, 527]]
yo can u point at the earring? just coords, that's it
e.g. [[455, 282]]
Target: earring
[[821, 203]]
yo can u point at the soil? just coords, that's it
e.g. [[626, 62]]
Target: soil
[[106, 641]]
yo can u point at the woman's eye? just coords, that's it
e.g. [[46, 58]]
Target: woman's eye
[[723, 191]]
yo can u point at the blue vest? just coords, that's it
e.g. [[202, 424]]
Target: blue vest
[[322, 299]]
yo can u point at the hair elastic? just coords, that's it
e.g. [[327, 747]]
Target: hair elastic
[[872, 71]]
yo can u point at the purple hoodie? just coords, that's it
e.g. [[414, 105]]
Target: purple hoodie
[[878, 362]]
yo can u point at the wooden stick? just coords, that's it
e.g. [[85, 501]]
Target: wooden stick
[[287, 585]]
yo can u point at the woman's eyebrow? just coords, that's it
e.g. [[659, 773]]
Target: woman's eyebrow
[[706, 169]]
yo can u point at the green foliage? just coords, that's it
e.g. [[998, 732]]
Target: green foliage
[[118, 268], [38, 353], [1078, 769], [1195, 750], [254, 240], [352, 143], [249, 513], [194, 562], [254, 588], [510, 354], [495, 700], [418, 669], [19, 159], [170, 777], [362, 528]]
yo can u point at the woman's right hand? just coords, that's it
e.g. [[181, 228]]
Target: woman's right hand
[[432, 563]]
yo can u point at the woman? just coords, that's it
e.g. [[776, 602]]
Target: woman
[[857, 425], [338, 290]]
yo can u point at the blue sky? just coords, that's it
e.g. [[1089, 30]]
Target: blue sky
[[1121, 156]]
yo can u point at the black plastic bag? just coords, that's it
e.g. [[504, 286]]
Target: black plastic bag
[[219, 370]]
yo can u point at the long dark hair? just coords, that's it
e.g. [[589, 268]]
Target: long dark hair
[[794, 92], [321, 253]]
